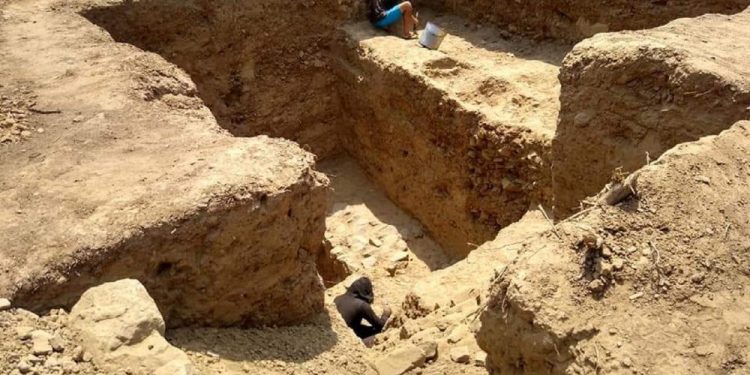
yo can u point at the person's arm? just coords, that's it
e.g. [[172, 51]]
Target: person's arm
[[376, 322]]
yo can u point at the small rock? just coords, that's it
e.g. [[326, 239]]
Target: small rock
[[400, 360], [460, 354], [376, 242], [458, 334], [591, 240], [401, 256], [78, 354], [480, 359], [596, 286], [697, 278], [23, 367], [626, 362], [69, 366], [606, 252], [24, 332], [369, 263], [703, 179], [34, 360], [428, 334], [618, 264], [605, 268], [26, 134], [52, 362], [40, 344], [4, 304], [636, 296], [430, 349], [57, 344]]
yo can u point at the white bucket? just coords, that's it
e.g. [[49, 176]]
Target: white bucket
[[432, 36]]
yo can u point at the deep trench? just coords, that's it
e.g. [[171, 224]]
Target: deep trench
[[263, 81], [258, 81]]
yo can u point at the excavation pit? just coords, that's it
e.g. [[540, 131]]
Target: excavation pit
[[459, 139], [431, 152]]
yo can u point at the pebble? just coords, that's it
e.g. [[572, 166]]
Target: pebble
[[40, 344], [460, 354], [636, 296], [400, 256], [57, 344], [618, 264], [78, 354], [24, 332], [458, 334], [480, 359], [23, 367], [596, 286], [4, 304]]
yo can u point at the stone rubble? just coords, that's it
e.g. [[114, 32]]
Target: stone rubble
[[122, 328]]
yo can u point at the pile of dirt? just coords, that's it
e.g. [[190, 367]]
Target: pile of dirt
[[628, 97], [42, 345], [654, 285]]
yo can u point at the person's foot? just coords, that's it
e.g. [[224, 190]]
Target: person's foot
[[410, 35]]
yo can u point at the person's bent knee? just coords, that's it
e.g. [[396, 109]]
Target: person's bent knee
[[406, 7]]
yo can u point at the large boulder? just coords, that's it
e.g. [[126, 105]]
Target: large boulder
[[121, 326]]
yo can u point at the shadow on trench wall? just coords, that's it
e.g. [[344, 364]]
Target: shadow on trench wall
[[258, 72]]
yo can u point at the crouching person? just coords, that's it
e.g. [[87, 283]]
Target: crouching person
[[355, 305]]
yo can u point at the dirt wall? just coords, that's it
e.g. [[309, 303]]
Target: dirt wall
[[630, 96], [578, 19], [462, 175], [128, 175], [656, 285], [246, 258], [260, 66]]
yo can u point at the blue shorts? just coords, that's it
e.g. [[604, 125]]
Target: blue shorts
[[391, 16]]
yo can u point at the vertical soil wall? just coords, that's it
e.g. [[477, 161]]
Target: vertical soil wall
[[260, 66], [628, 97]]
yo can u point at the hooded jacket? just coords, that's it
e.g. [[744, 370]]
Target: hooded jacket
[[355, 305]]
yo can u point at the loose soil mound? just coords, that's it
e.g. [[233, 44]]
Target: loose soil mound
[[657, 285]]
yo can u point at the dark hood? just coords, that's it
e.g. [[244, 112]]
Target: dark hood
[[362, 289]]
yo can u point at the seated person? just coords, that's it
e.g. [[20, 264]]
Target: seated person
[[384, 13], [355, 305]]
